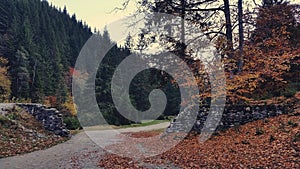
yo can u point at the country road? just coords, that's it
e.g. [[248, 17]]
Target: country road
[[79, 152]]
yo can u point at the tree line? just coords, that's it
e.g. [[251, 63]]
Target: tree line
[[259, 46], [40, 43]]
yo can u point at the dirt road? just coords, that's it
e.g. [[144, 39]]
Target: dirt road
[[79, 152]]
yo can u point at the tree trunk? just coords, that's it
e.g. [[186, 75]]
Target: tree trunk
[[228, 28], [241, 35], [182, 28]]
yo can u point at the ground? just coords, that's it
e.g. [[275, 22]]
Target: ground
[[268, 143], [20, 133], [79, 152]]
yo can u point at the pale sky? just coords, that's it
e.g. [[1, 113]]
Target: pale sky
[[96, 13]]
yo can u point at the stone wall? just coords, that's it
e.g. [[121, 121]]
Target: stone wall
[[232, 115], [50, 118]]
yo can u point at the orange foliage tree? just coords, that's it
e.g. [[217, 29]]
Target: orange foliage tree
[[268, 56]]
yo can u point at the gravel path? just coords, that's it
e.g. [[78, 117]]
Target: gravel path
[[78, 152]]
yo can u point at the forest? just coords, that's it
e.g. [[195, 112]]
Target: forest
[[259, 46], [39, 45], [256, 47]]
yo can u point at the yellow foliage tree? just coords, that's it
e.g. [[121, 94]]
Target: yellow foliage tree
[[69, 106], [4, 81]]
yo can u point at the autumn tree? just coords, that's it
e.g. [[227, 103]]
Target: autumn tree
[[4, 81], [269, 55]]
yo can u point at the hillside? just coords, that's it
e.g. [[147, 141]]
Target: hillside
[[21, 133], [41, 44]]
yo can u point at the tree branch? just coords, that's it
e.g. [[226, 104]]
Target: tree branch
[[208, 9], [124, 6], [215, 32]]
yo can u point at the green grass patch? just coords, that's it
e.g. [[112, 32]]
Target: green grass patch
[[149, 123]]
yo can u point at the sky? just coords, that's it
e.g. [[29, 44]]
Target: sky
[[100, 14], [96, 13]]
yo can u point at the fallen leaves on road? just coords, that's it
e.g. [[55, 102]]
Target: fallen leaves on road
[[143, 134], [269, 143]]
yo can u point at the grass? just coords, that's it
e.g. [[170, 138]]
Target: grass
[[148, 123], [108, 127]]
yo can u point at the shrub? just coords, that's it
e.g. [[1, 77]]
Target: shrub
[[3, 119], [12, 116], [161, 117], [289, 92], [68, 106], [72, 123], [5, 122]]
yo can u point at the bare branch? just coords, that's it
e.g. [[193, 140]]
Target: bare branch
[[216, 32], [201, 3], [256, 3], [124, 6], [249, 23], [208, 9]]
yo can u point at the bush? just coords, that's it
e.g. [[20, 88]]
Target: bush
[[161, 117], [12, 116], [72, 123], [3, 119], [69, 107], [290, 91], [5, 122]]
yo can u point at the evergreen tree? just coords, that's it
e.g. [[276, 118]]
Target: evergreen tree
[[21, 84], [41, 44]]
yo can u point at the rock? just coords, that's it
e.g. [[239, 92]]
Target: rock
[[233, 115], [50, 118], [39, 135]]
